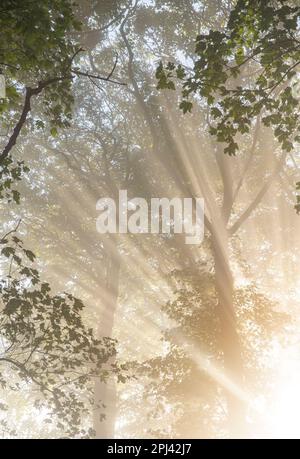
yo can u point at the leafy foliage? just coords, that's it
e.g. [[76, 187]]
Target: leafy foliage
[[177, 381], [45, 342], [37, 47], [11, 172], [249, 70]]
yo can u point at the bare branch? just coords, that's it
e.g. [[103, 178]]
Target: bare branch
[[97, 77], [260, 195]]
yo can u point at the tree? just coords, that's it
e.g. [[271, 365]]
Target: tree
[[241, 72], [37, 61], [45, 342], [186, 382], [260, 40], [44, 339]]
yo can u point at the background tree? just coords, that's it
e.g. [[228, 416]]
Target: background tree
[[43, 336], [242, 72]]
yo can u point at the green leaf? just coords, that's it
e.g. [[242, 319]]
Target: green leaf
[[54, 132], [186, 106], [29, 254]]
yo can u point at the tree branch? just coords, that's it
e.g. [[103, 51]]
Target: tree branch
[[97, 77], [235, 227], [30, 92], [11, 231]]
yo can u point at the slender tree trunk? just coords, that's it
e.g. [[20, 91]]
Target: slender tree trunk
[[229, 339], [105, 393]]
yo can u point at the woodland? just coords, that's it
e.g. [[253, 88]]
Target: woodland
[[142, 335]]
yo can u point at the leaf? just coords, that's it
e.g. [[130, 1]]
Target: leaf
[[16, 196], [29, 254], [53, 132], [12, 305], [8, 251], [186, 106]]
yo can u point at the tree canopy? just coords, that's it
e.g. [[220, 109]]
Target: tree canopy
[[250, 70]]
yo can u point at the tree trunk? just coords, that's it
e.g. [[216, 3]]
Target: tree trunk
[[229, 339], [105, 393]]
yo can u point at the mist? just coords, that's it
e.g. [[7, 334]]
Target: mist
[[143, 335]]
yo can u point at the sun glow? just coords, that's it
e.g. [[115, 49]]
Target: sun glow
[[284, 415]]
